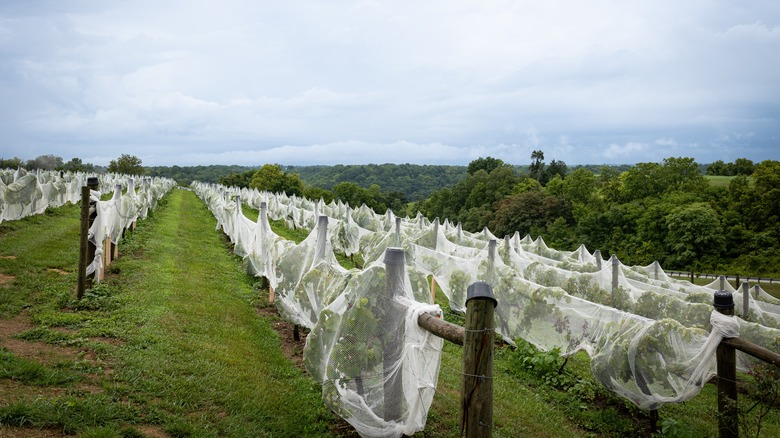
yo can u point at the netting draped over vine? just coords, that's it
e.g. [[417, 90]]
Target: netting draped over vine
[[650, 337], [118, 213], [25, 193]]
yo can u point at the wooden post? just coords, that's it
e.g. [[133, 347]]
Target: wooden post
[[597, 254], [392, 334], [82, 280], [92, 183], [615, 274], [322, 237], [398, 231], [656, 268], [727, 374], [477, 392], [745, 300]]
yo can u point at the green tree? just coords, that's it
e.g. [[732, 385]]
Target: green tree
[[77, 165], [536, 169], [682, 173], [271, 178], [695, 233], [10, 163], [641, 181], [126, 164], [742, 166], [718, 168], [554, 168], [45, 162], [487, 164]]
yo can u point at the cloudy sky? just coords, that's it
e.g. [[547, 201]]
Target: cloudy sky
[[434, 81]]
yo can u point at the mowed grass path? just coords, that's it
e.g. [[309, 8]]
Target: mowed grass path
[[169, 344], [201, 351]]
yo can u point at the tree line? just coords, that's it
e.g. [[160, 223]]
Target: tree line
[[652, 211]]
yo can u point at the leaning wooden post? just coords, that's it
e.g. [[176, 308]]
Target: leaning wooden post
[[727, 374], [393, 334], [87, 248], [477, 392]]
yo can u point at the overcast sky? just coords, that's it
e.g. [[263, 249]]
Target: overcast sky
[[425, 81]]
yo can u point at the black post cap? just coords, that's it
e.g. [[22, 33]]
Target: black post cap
[[723, 300], [92, 181], [480, 289]]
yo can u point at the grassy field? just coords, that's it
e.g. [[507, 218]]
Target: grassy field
[[178, 341]]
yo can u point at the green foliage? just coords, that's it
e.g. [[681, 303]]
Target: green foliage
[[272, 178], [415, 182], [126, 164]]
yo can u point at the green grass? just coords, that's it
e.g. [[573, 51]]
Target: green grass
[[191, 355], [33, 373], [719, 181]]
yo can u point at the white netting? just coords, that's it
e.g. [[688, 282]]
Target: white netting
[[23, 194], [651, 338], [117, 214]]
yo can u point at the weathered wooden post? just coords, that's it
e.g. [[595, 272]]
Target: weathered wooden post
[[656, 268], [615, 274], [599, 259], [727, 374], [398, 231], [393, 333], [87, 249], [262, 221], [322, 238], [435, 234], [477, 392], [745, 300]]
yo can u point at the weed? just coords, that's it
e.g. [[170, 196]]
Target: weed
[[31, 372]]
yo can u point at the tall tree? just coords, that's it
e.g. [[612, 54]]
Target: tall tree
[[487, 164], [126, 164], [45, 162], [536, 169], [271, 178], [695, 233]]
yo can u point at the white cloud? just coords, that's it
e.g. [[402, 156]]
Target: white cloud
[[501, 77]]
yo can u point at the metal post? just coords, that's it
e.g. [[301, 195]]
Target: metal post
[[477, 392], [727, 374]]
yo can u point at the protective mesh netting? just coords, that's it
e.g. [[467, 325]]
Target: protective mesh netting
[[651, 338], [127, 205], [25, 193]]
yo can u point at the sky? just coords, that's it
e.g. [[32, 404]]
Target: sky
[[295, 82]]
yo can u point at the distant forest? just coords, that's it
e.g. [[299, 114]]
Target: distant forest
[[415, 181]]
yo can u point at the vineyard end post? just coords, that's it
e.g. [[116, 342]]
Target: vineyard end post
[[727, 374], [477, 390]]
